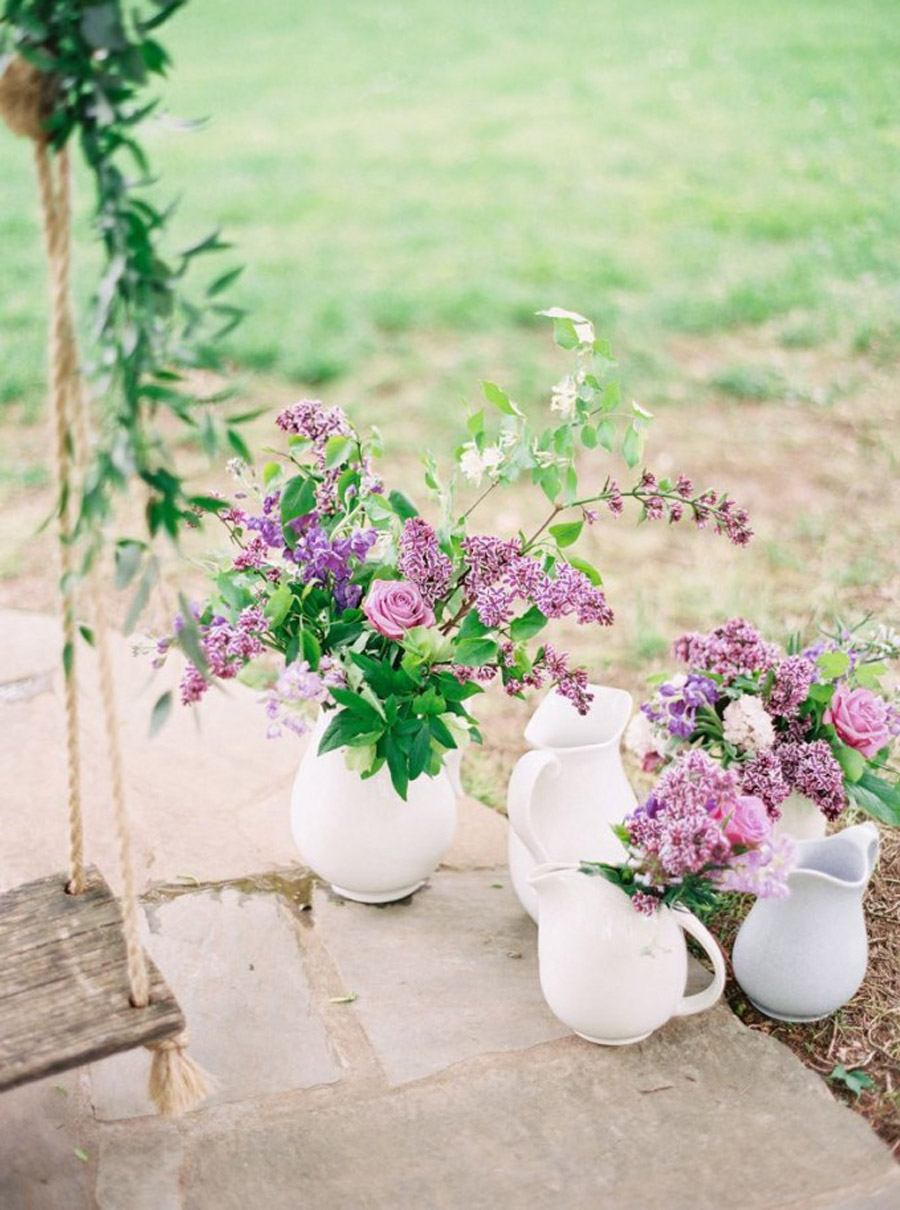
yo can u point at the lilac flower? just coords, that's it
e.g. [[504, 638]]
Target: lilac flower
[[793, 678], [614, 501], [311, 420], [422, 561], [488, 559], [494, 605], [811, 769], [762, 871], [763, 777], [733, 649], [296, 684], [675, 704], [645, 904]]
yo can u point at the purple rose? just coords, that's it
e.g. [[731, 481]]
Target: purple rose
[[395, 606], [745, 821], [860, 718]]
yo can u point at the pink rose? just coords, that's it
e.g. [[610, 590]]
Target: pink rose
[[745, 820], [395, 606], [860, 717]]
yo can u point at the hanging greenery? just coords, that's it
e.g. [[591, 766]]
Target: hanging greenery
[[146, 335]]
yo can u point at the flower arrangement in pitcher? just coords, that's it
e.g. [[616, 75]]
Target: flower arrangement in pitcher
[[815, 721], [696, 836], [392, 622]]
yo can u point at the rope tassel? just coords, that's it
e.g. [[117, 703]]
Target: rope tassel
[[176, 1083]]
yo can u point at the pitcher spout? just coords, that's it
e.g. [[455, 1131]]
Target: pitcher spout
[[844, 860]]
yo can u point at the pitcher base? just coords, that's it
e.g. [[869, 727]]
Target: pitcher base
[[614, 1041], [377, 896], [767, 1012]]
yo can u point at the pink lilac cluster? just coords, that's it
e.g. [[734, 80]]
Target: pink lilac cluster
[[709, 507], [498, 575], [811, 769], [697, 822], [296, 685], [763, 777], [675, 828], [309, 419], [226, 647], [734, 649], [675, 704], [793, 678], [422, 561]]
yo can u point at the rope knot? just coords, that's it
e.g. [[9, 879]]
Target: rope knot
[[26, 98]]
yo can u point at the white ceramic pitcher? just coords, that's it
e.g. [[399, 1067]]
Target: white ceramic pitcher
[[610, 973], [801, 958], [360, 835], [569, 790], [800, 818]]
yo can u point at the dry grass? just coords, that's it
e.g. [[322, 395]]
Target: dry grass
[[802, 436]]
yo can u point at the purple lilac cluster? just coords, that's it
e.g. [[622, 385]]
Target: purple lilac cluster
[[675, 828], [708, 508], [811, 769], [793, 678], [762, 871], [734, 649], [321, 556], [674, 706], [296, 685], [309, 419], [551, 667], [498, 575], [422, 561], [226, 647]]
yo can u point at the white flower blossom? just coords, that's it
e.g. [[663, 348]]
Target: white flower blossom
[[475, 463], [747, 725], [564, 396], [639, 736]]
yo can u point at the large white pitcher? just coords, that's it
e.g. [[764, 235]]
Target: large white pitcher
[[567, 792], [360, 835], [801, 958]]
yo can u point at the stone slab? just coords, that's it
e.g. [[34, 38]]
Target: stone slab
[[41, 1126], [140, 1169], [234, 962], [208, 796], [446, 975], [481, 836], [701, 1116]]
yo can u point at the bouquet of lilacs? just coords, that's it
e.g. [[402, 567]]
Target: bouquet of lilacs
[[390, 622], [815, 721], [696, 836]]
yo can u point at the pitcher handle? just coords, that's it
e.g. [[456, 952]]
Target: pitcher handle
[[520, 794], [700, 1001]]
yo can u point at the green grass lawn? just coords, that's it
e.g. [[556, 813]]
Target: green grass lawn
[[389, 168]]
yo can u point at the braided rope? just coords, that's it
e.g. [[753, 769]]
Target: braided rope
[[63, 366]]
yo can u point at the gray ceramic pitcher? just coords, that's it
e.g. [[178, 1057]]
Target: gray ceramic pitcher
[[801, 958]]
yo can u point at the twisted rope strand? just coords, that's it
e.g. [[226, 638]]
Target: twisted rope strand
[[62, 369]]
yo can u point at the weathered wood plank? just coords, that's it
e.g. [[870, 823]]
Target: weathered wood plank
[[64, 997]]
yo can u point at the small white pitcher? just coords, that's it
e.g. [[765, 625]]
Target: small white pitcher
[[571, 788], [360, 835], [801, 818], [610, 973], [801, 958]]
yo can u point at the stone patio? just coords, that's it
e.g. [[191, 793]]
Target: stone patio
[[366, 1057]]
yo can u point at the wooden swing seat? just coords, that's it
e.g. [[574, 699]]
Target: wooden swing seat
[[64, 992]]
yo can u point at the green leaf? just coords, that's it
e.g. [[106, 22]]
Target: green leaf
[[833, 664], [877, 798], [852, 762], [278, 604], [397, 766], [128, 556], [297, 500], [586, 569], [567, 532], [346, 730], [336, 451], [311, 648], [402, 505], [87, 634], [528, 625], [472, 626], [854, 1079], [239, 445], [606, 434], [499, 398], [419, 753], [589, 437], [611, 397], [868, 675], [141, 597], [162, 708], [472, 653], [270, 471], [821, 693], [632, 445], [68, 659]]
